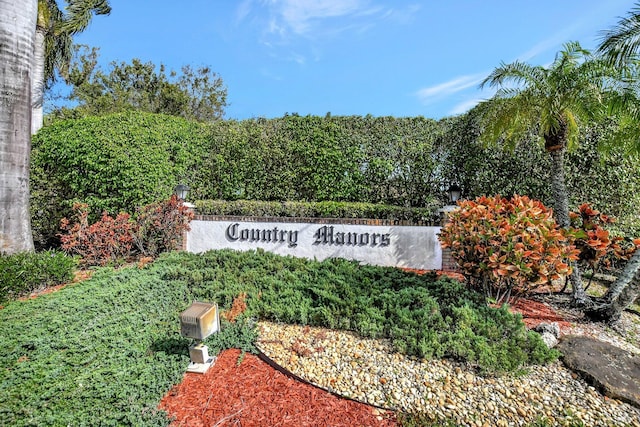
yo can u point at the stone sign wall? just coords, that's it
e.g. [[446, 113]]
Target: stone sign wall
[[386, 245]]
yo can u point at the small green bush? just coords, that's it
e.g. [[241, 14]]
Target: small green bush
[[26, 272], [241, 334]]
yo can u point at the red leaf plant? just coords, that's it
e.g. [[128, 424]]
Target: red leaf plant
[[507, 247]]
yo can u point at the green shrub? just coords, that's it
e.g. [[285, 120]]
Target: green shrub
[[241, 334], [318, 210], [506, 247], [422, 315], [23, 273], [112, 163]]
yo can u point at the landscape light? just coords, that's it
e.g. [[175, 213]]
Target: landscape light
[[199, 321]]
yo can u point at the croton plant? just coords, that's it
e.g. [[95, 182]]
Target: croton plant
[[507, 247], [598, 248]]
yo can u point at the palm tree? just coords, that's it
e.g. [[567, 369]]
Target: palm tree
[[620, 46], [53, 45], [553, 101], [17, 33]]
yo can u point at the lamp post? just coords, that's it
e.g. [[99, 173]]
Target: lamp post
[[454, 192], [181, 191]]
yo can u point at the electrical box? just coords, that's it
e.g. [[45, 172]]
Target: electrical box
[[200, 320]]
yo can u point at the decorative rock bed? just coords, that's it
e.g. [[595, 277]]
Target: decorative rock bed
[[369, 371]]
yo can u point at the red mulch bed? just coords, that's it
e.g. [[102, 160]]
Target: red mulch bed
[[534, 313], [253, 393]]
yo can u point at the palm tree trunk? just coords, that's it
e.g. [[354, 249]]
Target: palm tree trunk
[[561, 212], [17, 33], [37, 82], [621, 294], [558, 188]]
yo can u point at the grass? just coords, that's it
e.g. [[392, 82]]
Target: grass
[[105, 351]]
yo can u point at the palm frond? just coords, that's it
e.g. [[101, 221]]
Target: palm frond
[[80, 12], [552, 100], [518, 73], [506, 121], [622, 42]]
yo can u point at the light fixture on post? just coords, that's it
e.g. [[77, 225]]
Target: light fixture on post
[[181, 191], [198, 321], [454, 192]]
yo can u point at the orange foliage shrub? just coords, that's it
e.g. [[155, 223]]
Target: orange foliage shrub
[[507, 247], [598, 249]]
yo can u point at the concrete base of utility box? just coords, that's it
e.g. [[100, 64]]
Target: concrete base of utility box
[[200, 360]]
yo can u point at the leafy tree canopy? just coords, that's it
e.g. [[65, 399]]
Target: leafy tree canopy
[[193, 93]]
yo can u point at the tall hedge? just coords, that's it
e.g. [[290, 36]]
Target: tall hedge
[[292, 158], [364, 159], [121, 161], [113, 163]]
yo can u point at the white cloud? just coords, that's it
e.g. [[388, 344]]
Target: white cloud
[[314, 18], [307, 24], [299, 15], [243, 10], [465, 106], [458, 84]]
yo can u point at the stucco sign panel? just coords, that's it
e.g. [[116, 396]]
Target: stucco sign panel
[[397, 246]]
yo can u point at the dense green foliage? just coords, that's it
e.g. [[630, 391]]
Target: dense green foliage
[[26, 272], [317, 210], [423, 316], [192, 93], [113, 163], [122, 161], [102, 352], [105, 351], [364, 159]]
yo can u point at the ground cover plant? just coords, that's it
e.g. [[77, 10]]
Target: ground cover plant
[[422, 315], [26, 272], [105, 351]]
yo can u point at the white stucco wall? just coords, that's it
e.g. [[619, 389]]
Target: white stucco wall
[[397, 246]]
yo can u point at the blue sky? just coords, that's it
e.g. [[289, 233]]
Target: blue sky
[[349, 57]]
